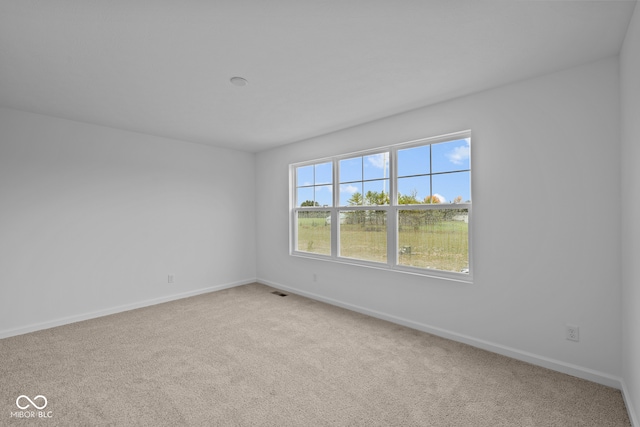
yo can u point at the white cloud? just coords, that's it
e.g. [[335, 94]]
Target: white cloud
[[440, 198], [349, 188], [460, 154], [379, 161]]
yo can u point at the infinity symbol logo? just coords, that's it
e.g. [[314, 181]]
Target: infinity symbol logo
[[22, 396]]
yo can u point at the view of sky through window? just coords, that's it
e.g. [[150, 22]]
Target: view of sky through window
[[314, 185], [439, 169], [363, 175]]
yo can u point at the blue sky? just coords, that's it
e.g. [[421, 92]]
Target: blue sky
[[445, 157], [414, 166], [319, 174]]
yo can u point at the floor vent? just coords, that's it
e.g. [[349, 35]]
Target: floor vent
[[280, 294]]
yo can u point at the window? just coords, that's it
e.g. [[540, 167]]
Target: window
[[406, 207]]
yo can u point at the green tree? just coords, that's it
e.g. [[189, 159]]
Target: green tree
[[355, 200], [375, 198], [409, 218], [409, 199], [355, 217], [309, 203]]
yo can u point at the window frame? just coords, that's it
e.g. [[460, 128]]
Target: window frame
[[392, 210]]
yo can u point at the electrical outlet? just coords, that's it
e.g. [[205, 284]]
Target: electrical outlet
[[573, 333], [170, 278], [315, 277]]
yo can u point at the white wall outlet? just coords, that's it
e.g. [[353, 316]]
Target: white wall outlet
[[170, 278], [315, 277], [573, 333]]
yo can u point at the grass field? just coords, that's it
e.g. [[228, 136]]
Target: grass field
[[314, 234], [441, 244]]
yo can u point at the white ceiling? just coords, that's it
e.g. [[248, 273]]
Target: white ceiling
[[162, 67]]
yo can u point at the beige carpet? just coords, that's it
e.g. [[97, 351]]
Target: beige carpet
[[247, 357]]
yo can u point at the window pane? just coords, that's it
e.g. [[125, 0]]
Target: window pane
[[413, 161], [351, 194], [376, 166], [304, 176], [434, 239], [314, 232], [324, 195], [324, 174], [363, 235], [351, 169], [450, 156], [453, 187], [413, 190], [376, 192], [305, 197]]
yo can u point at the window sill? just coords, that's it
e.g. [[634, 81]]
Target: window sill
[[431, 273]]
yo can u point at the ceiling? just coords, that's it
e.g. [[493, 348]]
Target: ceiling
[[163, 67]]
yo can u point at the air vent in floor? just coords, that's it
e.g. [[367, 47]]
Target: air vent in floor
[[280, 294]]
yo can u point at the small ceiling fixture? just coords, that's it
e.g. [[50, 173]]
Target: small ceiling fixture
[[239, 81]]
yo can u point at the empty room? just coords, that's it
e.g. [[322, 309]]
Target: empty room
[[319, 213]]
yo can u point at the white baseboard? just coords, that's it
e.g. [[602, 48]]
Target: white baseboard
[[630, 409], [118, 309], [534, 359]]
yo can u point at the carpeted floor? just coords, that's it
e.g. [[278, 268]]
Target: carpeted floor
[[247, 357]]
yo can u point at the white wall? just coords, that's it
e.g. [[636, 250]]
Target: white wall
[[546, 250], [630, 96], [93, 219]]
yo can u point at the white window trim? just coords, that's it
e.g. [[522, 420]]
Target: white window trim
[[391, 209]]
